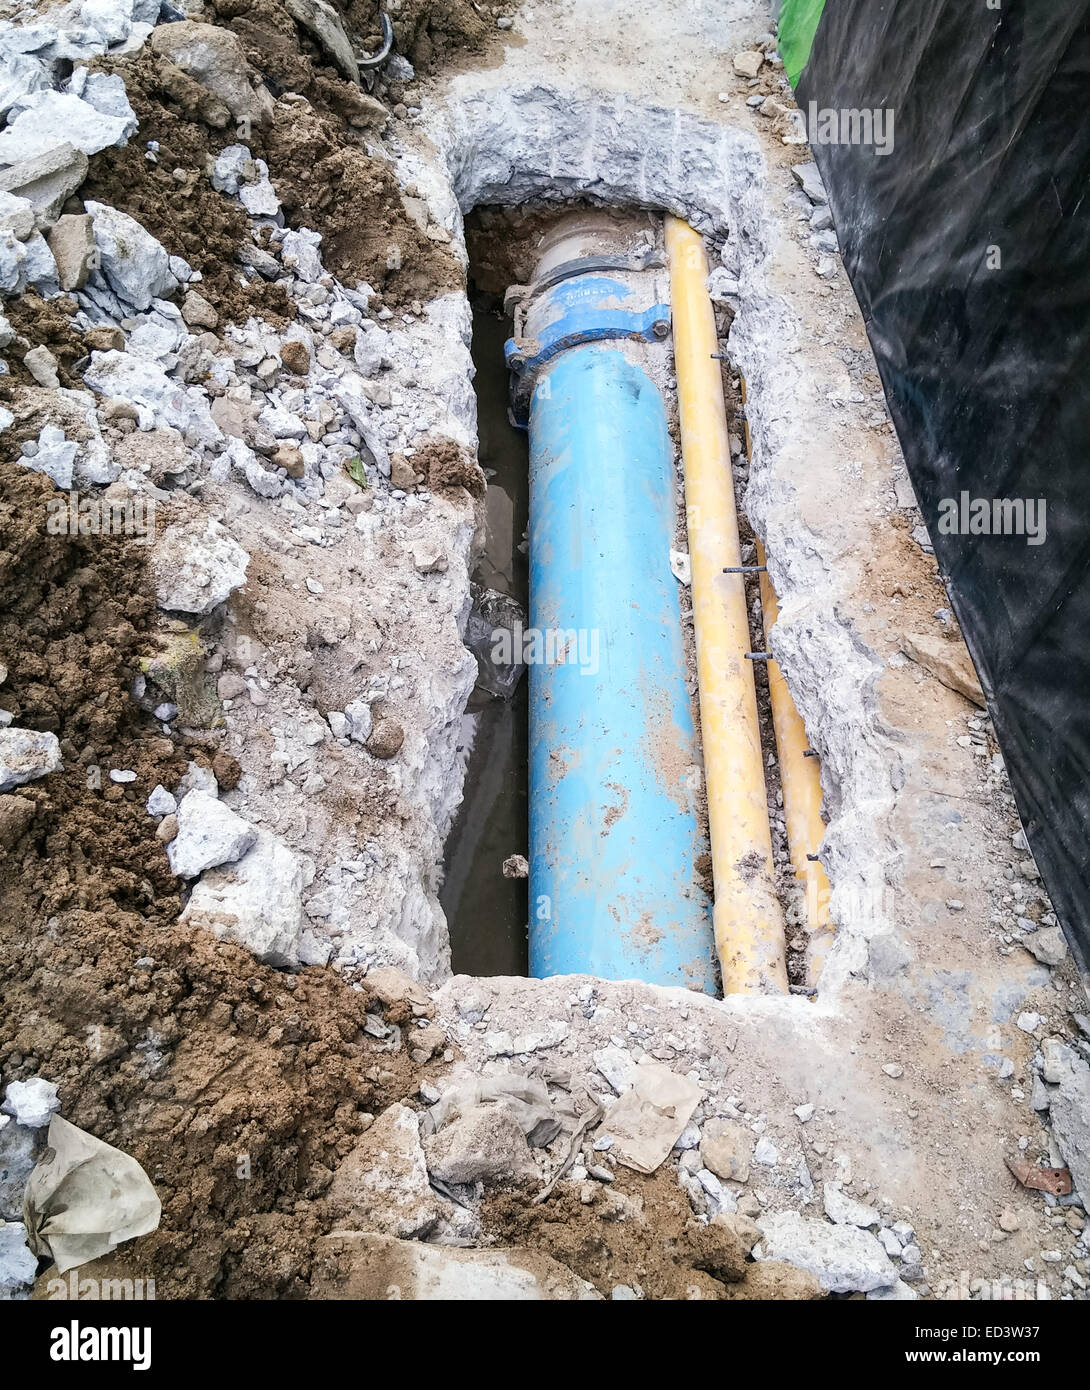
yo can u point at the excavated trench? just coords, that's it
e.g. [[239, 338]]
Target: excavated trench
[[487, 912]]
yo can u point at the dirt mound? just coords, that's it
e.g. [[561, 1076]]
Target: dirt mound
[[315, 148], [172, 196], [41, 321], [236, 1087]]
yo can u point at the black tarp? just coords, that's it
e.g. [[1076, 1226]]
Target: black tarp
[[968, 248]]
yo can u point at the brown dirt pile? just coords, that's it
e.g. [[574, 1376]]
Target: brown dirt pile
[[314, 147], [189, 217], [640, 1232], [41, 321], [237, 1087], [429, 32]]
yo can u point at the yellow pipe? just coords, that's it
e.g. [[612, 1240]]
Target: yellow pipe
[[749, 924], [800, 779]]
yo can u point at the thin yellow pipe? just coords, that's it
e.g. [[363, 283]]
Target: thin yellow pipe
[[800, 779], [748, 917]]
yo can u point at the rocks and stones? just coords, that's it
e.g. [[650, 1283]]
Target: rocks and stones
[[13, 270], [17, 1265], [617, 1066], [847, 1211], [844, 1259], [748, 64], [646, 1121], [18, 1146], [196, 565], [135, 266], [809, 179], [427, 1273], [46, 180], [255, 901], [516, 866], [1069, 1111], [42, 366], [726, 1147], [524, 1098], [197, 311], [72, 242], [42, 120], [948, 661], [161, 802], [486, 1144], [209, 834], [383, 1183], [1047, 945], [163, 402], [215, 58], [16, 216], [55, 456], [360, 723], [31, 1103], [26, 755]]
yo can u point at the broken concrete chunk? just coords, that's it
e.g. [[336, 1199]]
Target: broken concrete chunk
[[845, 1210], [12, 264], [42, 366], [31, 1102], [20, 74], [18, 1150], [196, 567], [216, 59], [209, 834], [948, 661], [255, 902], [748, 64], [45, 119], [844, 1259], [132, 262], [72, 241], [25, 755], [18, 1265], [1069, 1108], [358, 715], [809, 179], [486, 1144], [1048, 945], [383, 1183], [55, 456], [161, 802], [726, 1147], [46, 180], [16, 215], [647, 1120], [377, 1264]]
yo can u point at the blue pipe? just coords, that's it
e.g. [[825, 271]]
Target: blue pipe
[[614, 834]]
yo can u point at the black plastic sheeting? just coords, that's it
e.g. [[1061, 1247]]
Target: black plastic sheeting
[[986, 370]]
